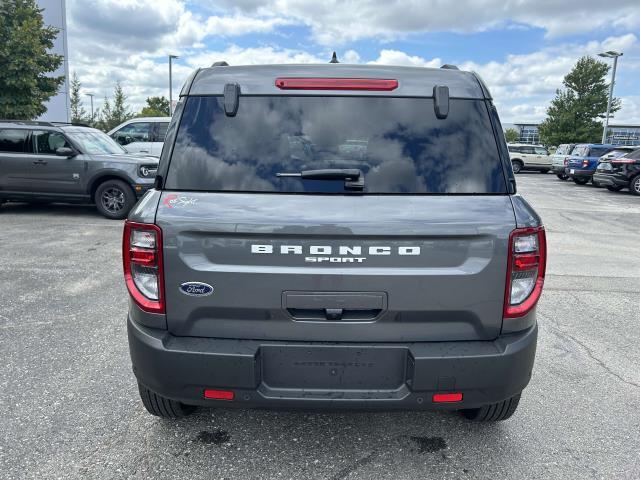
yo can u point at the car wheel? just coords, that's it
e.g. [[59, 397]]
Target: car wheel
[[114, 199], [562, 176], [634, 185], [517, 166], [163, 407], [611, 188], [581, 180], [494, 412]]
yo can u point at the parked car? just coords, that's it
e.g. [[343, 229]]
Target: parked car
[[142, 135], [620, 172], [560, 158], [582, 163], [46, 162], [619, 151], [529, 157], [267, 272]]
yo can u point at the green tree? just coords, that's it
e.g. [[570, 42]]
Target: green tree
[[156, 107], [575, 112], [25, 61], [511, 135], [78, 113], [114, 113]]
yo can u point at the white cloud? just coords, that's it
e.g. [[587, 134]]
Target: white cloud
[[336, 21], [396, 57]]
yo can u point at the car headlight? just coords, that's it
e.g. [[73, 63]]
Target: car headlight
[[148, 170]]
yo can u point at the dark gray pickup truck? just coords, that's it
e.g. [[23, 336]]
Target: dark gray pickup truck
[[43, 162], [331, 237]]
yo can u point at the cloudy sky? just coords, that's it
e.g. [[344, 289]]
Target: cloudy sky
[[522, 48]]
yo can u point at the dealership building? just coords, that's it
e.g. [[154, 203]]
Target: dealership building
[[618, 134], [55, 15]]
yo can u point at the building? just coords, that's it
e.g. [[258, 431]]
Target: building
[[55, 14], [617, 134]]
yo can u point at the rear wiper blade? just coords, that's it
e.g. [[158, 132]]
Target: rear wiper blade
[[326, 174], [353, 178]]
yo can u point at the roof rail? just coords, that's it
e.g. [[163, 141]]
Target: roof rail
[[448, 66], [220, 64], [73, 124], [27, 122]]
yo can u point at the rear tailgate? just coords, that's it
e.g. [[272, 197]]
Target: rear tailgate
[[336, 268]]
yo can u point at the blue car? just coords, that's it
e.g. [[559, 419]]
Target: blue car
[[583, 161]]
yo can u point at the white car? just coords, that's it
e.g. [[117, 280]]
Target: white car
[[529, 157], [142, 135]]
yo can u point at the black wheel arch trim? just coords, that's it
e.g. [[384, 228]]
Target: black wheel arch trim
[[105, 175]]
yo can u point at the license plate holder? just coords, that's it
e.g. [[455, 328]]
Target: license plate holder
[[334, 367]]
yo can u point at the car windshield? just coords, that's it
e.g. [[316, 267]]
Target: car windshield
[[96, 143], [397, 145]]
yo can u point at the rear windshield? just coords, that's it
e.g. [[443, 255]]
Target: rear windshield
[[397, 144]]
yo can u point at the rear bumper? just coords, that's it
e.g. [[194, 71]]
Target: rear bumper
[[578, 172], [331, 375], [610, 180]]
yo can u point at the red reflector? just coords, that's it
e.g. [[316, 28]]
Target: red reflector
[[376, 84], [447, 397], [526, 261], [219, 394], [143, 257]]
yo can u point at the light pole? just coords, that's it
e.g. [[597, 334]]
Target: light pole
[[614, 55], [171, 57], [90, 95]]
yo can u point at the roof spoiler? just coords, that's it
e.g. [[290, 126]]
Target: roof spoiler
[[448, 66], [220, 64]]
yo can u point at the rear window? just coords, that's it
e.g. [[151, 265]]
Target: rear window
[[397, 143], [581, 151], [14, 141], [598, 151]]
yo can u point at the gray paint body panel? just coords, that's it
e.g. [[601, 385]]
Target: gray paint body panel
[[260, 80], [452, 290]]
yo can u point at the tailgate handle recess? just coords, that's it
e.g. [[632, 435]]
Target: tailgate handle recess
[[349, 306]]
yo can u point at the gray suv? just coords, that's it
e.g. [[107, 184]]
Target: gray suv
[[331, 237], [45, 162]]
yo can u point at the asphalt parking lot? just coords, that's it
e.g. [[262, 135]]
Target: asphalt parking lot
[[70, 406]]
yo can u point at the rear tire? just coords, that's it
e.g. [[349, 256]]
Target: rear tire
[[580, 180], [163, 407], [495, 412], [114, 199], [517, 166], [611, 188], [634, 185], [562, 176]]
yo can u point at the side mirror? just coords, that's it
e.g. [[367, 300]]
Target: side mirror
[[65, 152]]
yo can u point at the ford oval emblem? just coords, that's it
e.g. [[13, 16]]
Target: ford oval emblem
[[196, 289]]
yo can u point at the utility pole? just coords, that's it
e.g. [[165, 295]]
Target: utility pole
[[90, 95], [171, 57], [614, 55]]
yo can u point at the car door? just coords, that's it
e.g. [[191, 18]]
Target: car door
[[56, 175], [16, 162], [542, 156], [528, 155]]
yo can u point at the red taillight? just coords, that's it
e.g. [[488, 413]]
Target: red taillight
[[219, 394], [447, 397], [142, 261], [623, 160], [374, 84], [566, 160], [525, 270]]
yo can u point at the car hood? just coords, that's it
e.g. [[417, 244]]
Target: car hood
[[128, 158]]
